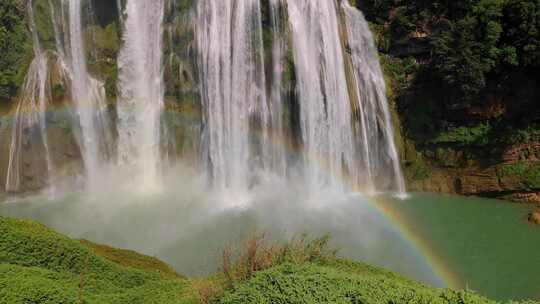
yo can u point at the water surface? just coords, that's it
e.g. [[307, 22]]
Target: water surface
[[486, 244]]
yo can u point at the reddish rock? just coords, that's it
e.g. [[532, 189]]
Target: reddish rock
[[476, 182], [528, 197], [534, 217]]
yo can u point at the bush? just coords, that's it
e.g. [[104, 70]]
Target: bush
[[335, 283], [528, 171], [258, 255], [477, 135], [38, 265]]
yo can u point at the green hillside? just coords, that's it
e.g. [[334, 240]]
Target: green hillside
[[38, 265]]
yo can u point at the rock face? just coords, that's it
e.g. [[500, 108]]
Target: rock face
[[63, 151], [534, 217], [184, 141], [512, 174]]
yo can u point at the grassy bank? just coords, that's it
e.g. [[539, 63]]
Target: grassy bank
[[38, 265]]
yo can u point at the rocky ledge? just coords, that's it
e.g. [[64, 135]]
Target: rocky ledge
[[513, 174]]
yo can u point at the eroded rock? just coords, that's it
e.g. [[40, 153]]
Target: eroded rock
[[534, 217]]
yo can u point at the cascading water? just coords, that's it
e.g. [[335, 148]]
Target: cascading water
[[29, 122], [88, 95], [141, 90], [355, 147], [325, 109], [343, 122], [278, 157], [232, 82], [377, 140]]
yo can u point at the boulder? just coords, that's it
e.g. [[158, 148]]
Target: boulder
[[534, 217]]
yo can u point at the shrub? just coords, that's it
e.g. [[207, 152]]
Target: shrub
[[348, 283], [38, 265], [257, 254], [529, 172], [465, 136]]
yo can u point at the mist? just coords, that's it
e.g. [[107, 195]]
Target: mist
[[187, 225]]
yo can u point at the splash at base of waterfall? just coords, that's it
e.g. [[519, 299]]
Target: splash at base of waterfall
[[141, 91]]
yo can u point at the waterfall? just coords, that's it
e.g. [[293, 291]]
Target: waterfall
[[377, 140], [345, 125], [29, 122], [232, 82], [325, 110], [88, 96], [339, 117], [348, 127], [279, 162], [141, 89]]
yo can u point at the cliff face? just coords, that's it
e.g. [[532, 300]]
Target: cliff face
[[463, 77], [513, 174], [489, 147]]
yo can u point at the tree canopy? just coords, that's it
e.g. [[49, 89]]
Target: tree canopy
[[473, 44], [14, 46]]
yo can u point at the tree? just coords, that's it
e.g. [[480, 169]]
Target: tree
[[522, 30], [468, 49], [14, 46]]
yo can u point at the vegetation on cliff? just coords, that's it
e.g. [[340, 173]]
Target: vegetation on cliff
[[15, 47], [460, 63], [463, 77]]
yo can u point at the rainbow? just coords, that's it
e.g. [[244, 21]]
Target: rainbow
[[400, 225], [403, 227]]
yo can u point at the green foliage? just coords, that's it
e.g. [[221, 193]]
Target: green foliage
[[106, 44], [15, 47], [289, 71], [105, 39], [469, 49], [527, 171], [38, 265], [526, 135], [472, 46], [20, 284], [418, 171], [402, 24], [44, 24], [400, 70], [257, 255], [184, 5], [128, 258], [477, 135], [338, 283], [522, 30]]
